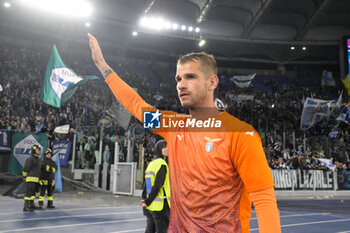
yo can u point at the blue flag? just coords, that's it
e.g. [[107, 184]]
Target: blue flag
[[58, 178], [60, 82]]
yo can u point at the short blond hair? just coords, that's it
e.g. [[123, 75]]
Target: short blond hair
[[207, 61]]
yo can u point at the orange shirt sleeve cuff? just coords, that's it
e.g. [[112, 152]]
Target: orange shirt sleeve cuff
[[266, 210]]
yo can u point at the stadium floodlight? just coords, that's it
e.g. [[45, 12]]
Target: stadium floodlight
[[197, 29], [183, 27], [168, 25], [157, 23], [201, 43], [175, 26], [190, 28], [87, 24], [153, 23], [77, 8], [134, 33], [7, 4], [292, 48], [144, 21], [304, 48]]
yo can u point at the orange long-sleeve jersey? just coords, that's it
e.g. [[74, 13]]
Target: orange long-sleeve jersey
[[212, 172]]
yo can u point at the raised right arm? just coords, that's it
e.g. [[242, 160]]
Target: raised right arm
[[122, 91]]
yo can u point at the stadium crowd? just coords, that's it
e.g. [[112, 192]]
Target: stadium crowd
[[88, 112]]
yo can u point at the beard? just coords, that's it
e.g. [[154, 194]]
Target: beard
[[186, 103]]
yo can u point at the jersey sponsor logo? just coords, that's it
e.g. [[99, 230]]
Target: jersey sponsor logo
[[151, 119], [180, 137], [210, 143], [250, 133]]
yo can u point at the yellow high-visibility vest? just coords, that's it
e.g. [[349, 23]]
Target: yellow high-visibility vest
[[150, 176]]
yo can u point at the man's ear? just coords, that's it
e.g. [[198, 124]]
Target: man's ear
[[213, 82]]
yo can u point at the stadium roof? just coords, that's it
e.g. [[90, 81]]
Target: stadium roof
[[261, 31]]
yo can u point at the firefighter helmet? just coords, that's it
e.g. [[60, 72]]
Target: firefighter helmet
[[48, 151], [34, 147]]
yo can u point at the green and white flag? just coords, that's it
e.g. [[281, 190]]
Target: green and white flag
[[60, 82]]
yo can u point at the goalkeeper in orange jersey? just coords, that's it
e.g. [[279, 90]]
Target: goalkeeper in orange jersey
[[214, 173]]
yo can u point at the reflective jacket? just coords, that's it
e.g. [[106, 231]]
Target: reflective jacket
[[31, 169], [164, 193], [48, 170]]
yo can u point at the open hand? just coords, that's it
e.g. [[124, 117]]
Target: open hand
[[96, 54]]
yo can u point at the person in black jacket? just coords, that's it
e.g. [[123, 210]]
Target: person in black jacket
[[31, 173], [47, 179]]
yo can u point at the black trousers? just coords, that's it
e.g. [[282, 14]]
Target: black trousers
[[31, 187], [157, 221], [49, 189]]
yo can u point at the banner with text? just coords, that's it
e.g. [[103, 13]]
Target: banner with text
[[62, 148], [315, 110], [243, 81], [304, 179]]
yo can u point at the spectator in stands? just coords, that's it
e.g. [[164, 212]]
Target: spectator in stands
[[80, 154], [39, 126], [314, 161], [96, 148], [286, 154], [3, 123], [295, 161], [136, 152], [25, 127], [88, 156], [63, 117], [106, 149]]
